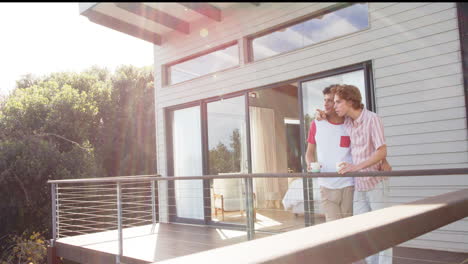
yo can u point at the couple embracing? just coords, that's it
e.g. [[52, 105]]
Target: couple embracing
[[348, 135]]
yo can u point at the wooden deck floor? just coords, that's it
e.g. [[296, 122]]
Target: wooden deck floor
[[147, 244]]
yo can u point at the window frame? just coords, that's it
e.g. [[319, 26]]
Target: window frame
[[249, 39], [166, 71]]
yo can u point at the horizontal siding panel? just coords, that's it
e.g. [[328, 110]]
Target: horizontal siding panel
[[407, 12], [432, 166], [411, 49], [419, 75], [450, 113], [418, 19], [441, 236], [429, 159], [424, 106], [433, 137], [395, 9], [429, 61], [374, 6], [444, 125], [421, 85], [418, 54], [430, 244], [421, 96], [438, 181], [433, 148]]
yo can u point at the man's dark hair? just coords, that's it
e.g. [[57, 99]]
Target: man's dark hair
[[328, 90]]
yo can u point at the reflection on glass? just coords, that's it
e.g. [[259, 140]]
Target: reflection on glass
[[334, 24], [187, 158], [313, 99], [226, 136], [227, 155], [205, 64]]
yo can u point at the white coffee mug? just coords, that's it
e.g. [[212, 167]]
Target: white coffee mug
[[315, 167]]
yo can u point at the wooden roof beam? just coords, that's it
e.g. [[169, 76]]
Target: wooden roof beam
[[157, 16], [123, 27], [205, 9]]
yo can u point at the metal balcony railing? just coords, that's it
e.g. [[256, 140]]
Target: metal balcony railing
[[84, 206]]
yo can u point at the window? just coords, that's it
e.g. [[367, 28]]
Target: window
[[214, 61], [338, 22]]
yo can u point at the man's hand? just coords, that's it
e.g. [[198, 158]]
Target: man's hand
[[347, 167], [385, 166], [320, 115]]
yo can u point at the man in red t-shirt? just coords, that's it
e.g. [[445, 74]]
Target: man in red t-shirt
[[330, 141]]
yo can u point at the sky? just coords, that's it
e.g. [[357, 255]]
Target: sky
[[41, 38]]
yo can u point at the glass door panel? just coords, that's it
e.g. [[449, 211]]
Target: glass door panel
[[187, 157], [274, 118], [227, 154]]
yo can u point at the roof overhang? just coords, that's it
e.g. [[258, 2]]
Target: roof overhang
[[151, 21]]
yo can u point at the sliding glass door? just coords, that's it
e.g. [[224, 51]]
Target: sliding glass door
[[227, 154], [265, 129], [187, 161]]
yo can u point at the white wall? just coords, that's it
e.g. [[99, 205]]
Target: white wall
[[415, 53]]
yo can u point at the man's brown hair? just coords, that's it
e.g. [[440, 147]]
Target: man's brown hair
[[349, 93], [328, 89]]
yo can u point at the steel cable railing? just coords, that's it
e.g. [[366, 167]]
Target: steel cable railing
[[86, 206]]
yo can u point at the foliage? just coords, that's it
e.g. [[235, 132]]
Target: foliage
[[128, 132], [222, 159], [26, 248], [71, 125]]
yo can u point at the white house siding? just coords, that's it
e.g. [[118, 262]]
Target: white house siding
[[415, 54]]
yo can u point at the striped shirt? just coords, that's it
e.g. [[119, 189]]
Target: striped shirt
[[367, 135]]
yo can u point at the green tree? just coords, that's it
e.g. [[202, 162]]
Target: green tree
[[71, 125], [127, 137], [222, 159]]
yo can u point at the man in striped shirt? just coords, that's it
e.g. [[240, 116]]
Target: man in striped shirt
[[369, 151]]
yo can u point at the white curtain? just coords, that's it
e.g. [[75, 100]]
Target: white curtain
[[264, 159], [188, 162]]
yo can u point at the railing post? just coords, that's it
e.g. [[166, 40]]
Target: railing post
[[51, 251], [153, 202], [249, 208], [54, 212], [119, 222]]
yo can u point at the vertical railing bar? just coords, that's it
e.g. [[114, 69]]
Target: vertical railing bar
[[119, 222], [54, 213], [252, 215], [249, 209], [153, 204]]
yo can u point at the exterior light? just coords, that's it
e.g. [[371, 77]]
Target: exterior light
[[204, 32]]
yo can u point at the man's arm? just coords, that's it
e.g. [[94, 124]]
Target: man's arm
[[310, 154], [379, 155]]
